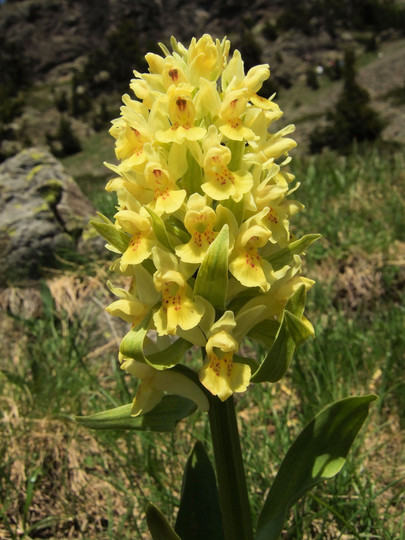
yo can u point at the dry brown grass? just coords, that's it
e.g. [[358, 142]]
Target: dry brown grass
[[70, 470], [355, 281]]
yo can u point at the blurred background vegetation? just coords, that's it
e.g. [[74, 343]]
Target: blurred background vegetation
[[338, 69]]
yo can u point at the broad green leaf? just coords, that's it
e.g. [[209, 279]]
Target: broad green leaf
[[132, 346], [286, 255], [199, 516], [158, 525], [115, 237], [212, 278], [318, 453], [160, 230], [164, 417]]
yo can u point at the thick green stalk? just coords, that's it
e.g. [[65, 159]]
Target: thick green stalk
[[233, 496]]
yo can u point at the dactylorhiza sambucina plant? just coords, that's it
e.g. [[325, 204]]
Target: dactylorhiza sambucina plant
[[202, 232]]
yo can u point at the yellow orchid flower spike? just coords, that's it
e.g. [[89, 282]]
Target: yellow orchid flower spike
[[203, 221]]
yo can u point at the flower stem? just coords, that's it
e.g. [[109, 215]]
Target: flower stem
[[233, 496]]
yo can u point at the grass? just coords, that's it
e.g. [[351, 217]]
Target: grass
[[89, 172], [59, 358]]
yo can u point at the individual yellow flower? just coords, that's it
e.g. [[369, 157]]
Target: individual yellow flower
[[178, 306], [182, 113], [131, 132], [231, 114], [234, 78], [220, 374], [272, 196], [128, 199], [166, 196], [282, 288], [136, 303], [129, 307], [221, 183], [170, 69], [207, 58], [207, 101], [173, 73], [199, 222], [274, 146], [146, 87], [246, 262], [140, 228], [155, 383]]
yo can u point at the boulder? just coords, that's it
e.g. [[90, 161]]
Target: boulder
[[43, 215]]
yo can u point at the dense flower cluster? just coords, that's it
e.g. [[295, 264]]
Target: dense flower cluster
[[202, 225]]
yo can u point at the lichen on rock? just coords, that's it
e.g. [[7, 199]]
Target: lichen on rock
[[43, 214]]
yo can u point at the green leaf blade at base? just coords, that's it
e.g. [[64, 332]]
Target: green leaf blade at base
[[199, 516], [158, 525], [318, 453]]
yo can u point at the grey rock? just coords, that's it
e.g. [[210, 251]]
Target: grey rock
[[43, 215]]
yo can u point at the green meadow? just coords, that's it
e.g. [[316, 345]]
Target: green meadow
[[59, 358]]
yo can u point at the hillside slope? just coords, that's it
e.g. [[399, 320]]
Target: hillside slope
[[53, 49]]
